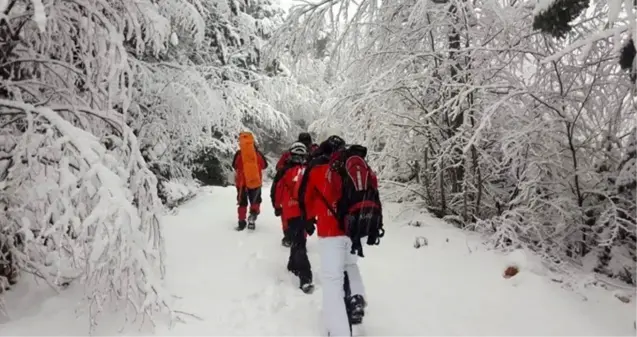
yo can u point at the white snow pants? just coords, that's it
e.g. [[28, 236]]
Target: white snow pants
[[335, 260]]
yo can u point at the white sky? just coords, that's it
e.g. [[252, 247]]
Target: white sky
[[286, 4]]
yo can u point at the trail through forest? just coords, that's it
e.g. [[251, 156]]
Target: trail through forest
[[238, 284]]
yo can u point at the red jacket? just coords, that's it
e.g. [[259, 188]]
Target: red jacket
[[286, 155], [286, 192], [282, 160], [317, 188], [237, 164]]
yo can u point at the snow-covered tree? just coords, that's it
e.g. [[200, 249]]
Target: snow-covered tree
[[195, 99], [459, 104], [79, 202], [99, 99]]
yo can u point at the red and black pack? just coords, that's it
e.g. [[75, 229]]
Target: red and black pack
[[359, 208]]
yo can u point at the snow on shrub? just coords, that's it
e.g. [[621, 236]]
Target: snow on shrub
[[179, 189], [82, 211], [483, 137]]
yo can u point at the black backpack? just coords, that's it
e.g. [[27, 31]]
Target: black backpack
[[358, 210]]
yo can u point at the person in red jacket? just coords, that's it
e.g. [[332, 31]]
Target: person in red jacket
[[305, 139], [280, 165], [245, 195], [286, 199], [339, 268]]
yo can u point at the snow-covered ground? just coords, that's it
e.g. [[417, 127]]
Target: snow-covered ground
[[237, 283]]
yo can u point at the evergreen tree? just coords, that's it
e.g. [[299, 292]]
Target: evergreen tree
[[555, 20]]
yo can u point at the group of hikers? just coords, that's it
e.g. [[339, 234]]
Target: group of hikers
[[327, 188]]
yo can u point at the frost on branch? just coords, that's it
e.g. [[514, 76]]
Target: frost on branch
[[81, 204], [561, 18], [191, 101], [459, 109], [81, 210]]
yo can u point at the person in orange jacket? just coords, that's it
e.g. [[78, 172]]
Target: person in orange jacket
[[319, 196], [286, 186], [245, 195]]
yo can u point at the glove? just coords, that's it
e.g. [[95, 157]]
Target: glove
[[374, 237], [309, 227], [277, 212]]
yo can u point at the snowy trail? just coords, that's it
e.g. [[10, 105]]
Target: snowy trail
[[238, 284], [236, 281]]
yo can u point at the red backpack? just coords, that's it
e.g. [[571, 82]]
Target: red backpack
[[358, 209]]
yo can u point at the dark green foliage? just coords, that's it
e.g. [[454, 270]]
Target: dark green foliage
[[627, 57], [8, 269], [211, 168], [556, 19]]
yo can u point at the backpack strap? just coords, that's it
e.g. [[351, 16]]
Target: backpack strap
[[327, 204]]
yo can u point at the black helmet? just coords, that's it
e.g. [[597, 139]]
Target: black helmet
[[336, 142], [306, 139], [331, 144]]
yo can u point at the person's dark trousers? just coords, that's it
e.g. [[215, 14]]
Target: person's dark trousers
[[354, 305], [298, 262], [247, 196]]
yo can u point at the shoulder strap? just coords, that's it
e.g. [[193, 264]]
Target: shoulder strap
[[321, 160], [234, 159], [327, 204]]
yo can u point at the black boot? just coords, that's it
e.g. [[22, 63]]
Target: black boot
[[252, 218], [356, 309], [306, 285], [286, 241], [304, 271], [241, 225]]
